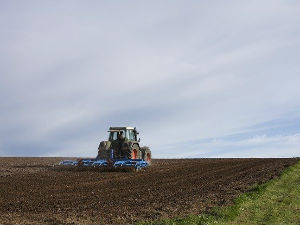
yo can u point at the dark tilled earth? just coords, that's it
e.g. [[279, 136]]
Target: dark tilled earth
[[32, 191]]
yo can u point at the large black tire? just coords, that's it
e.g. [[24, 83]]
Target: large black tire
[[135, 151], [146, 154], [103, 150]]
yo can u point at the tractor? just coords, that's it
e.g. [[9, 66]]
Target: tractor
[[123, 143], [121, 151]]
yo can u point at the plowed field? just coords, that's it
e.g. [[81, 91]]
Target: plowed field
[[33, 191]]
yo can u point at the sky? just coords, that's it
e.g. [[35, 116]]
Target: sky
[[197, 78]]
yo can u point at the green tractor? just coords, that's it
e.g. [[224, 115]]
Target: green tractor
[[123, 143]]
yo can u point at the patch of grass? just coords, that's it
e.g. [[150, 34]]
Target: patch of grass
[[275, 202]]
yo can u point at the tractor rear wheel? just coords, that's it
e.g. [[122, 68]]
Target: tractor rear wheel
[[135, 151], [146, 154]]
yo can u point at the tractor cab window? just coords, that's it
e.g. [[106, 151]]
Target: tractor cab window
[[131, 135]]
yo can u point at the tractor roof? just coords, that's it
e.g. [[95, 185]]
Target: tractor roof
[[120, 128]]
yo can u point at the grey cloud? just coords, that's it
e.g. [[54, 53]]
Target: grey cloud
[[178, 71]]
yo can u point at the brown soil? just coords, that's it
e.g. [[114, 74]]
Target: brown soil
[[33, 191]]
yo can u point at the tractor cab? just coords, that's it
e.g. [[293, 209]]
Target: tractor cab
[[129, 133]]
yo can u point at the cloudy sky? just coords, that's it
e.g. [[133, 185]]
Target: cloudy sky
[[197, 78]]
